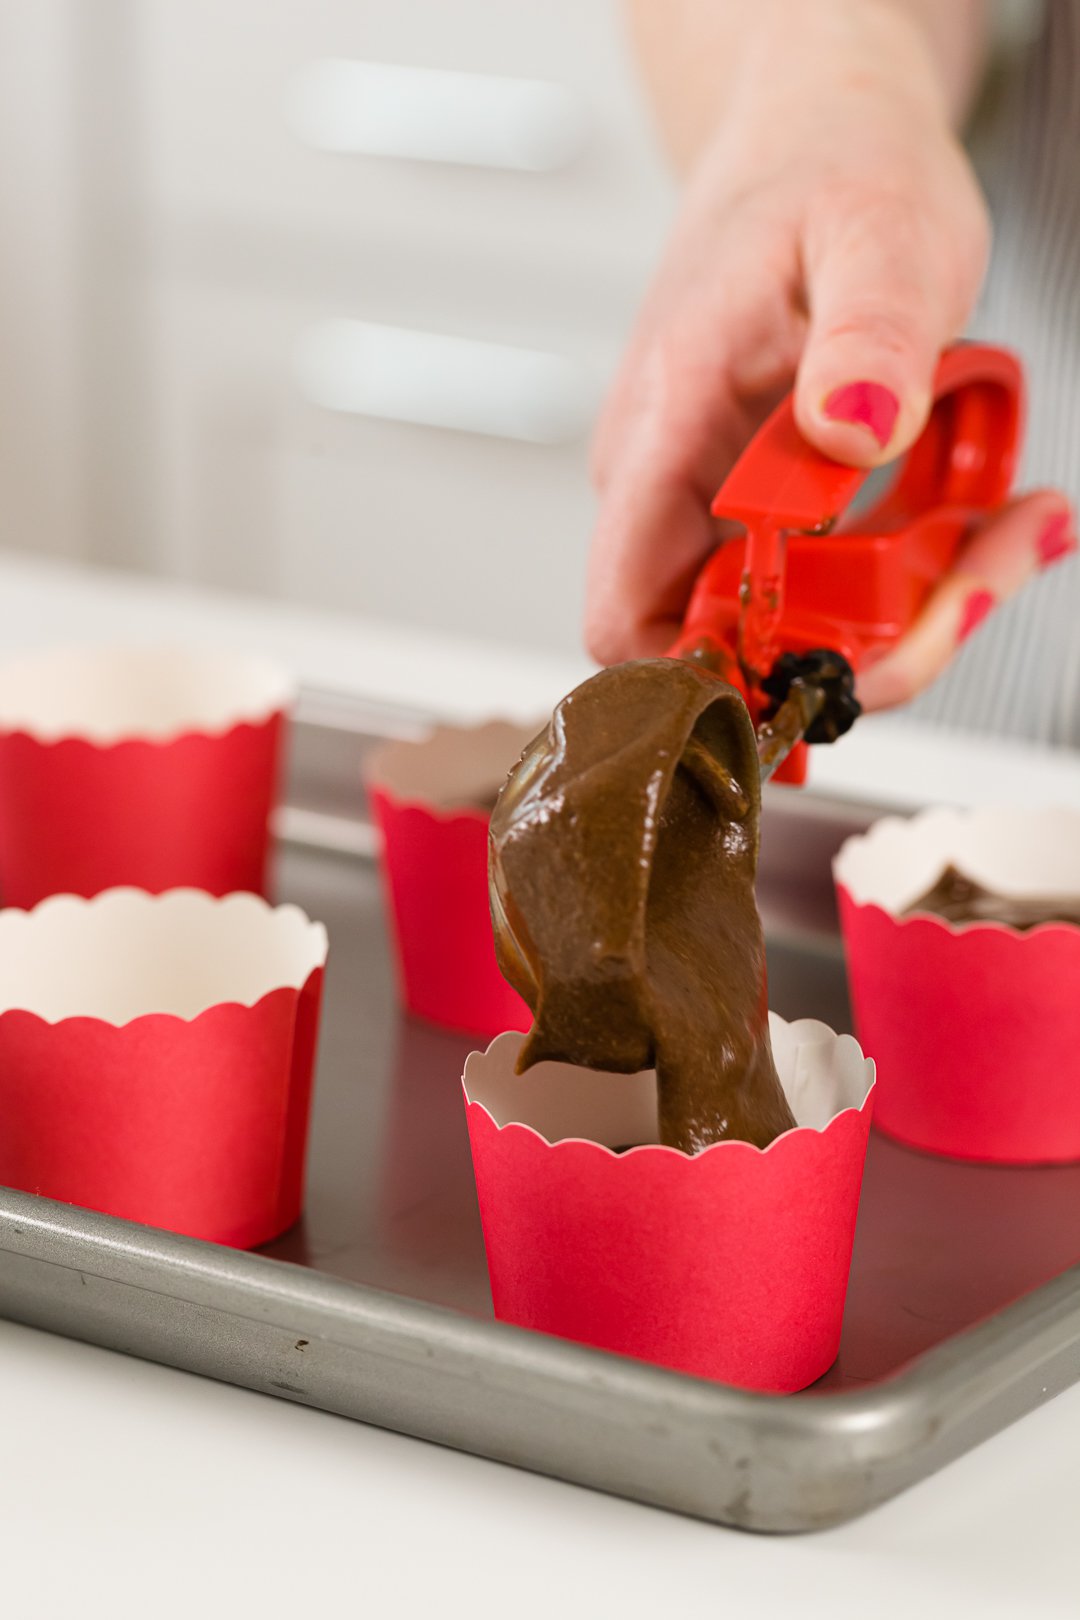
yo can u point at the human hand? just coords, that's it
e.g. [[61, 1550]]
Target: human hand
[[832, 238]]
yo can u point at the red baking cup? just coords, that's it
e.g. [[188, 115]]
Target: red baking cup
[[731, 1265], [156, 767], [428, 798], [975, 1027], [156, 1057]]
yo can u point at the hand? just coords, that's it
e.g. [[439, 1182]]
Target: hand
[[833, 237]]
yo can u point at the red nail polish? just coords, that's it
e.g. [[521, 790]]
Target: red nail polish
[[976, 608], [1057, 539], [866, 404]]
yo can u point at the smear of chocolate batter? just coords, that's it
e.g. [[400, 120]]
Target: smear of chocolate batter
[[958, 898], [623, 852]]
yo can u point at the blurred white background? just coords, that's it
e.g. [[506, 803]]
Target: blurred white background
[[282, 314]]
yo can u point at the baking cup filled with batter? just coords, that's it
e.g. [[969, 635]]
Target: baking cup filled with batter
[[731, 1264], [432, 801], [974, 1026], [156, 767], [157, 1055]]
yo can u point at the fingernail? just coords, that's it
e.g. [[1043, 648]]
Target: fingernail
[[865, 404], [1057, 539], [976, 608]]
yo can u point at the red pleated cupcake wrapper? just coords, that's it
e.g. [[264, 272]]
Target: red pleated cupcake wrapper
[[730, 1265], [975, 1027], [157, 1056], [157, 768], [435, 868]]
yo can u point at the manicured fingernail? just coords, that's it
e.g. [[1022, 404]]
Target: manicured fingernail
[[1057, 539], [976, 608], [866, 404]]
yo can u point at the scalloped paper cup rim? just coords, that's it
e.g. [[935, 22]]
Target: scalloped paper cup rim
[[126, 954], [824, 1075], [1012, 850], [109, 694], [444, 771]]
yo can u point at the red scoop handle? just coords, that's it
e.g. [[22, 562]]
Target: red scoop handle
[[857, 584]]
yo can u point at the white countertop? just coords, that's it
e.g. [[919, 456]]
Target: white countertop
[[134, 1490], [130, 1490]]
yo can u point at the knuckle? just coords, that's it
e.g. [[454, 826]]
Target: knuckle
[[919, 249], [893, 330], [854, 209]]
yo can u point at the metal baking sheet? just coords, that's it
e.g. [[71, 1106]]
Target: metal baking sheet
[[963, 1313]]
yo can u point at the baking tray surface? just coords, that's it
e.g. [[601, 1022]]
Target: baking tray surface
[[963, 1310]]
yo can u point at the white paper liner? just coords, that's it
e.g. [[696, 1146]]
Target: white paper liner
[[822, 1074], [452, 767], [1015, 851], [126, 953], [106, 694]]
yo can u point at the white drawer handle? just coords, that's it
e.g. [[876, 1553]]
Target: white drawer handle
[[449, 382], [383, 110]]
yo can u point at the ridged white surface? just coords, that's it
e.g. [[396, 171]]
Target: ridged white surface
[[108, 693], [126, 953], [452, 766], [822, 1073], [1014, 850]]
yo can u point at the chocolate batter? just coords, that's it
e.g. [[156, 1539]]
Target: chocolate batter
[[777, 736], [960, 899], [623, 851]]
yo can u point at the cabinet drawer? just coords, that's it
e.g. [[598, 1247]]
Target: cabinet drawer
[[217, 126], [257, 488]]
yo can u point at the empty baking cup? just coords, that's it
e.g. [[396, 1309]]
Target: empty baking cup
[[731, 1264], [975, 1027], [155, 767], [432, 801], [156, 1057]]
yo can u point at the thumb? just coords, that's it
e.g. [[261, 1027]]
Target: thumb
[[881, 309]]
